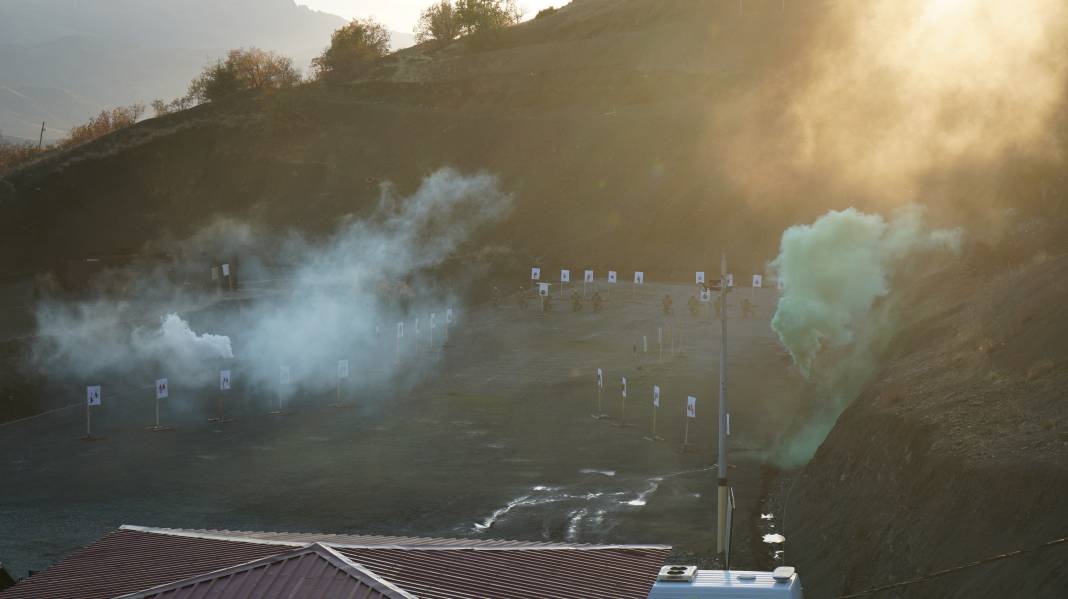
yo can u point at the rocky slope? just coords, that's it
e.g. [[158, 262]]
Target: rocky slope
[[956, 452]]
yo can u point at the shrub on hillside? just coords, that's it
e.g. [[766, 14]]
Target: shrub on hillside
[[104, 123], [545, 12], [242, 70], [353, 50], [162, 108], [438, 23], [447, 20], [483, 16], [14, 155]]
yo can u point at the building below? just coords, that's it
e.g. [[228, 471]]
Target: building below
[[142, 562]]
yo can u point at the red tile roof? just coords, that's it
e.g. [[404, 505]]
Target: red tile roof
[[313, 571], [138, 559]]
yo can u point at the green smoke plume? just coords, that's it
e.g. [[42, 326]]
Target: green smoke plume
[[839, 273]]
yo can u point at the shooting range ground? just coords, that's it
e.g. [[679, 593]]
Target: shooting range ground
[[494, 440]]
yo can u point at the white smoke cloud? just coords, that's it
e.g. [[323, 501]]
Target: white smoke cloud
[[175, 340], [324, 302], [338, 299], [84, 340]]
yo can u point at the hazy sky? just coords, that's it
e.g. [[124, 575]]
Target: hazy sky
[[401, 15]]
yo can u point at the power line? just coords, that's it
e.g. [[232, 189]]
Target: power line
[[939, 573]]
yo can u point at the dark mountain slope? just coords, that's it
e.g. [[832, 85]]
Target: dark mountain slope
[[958, 450]]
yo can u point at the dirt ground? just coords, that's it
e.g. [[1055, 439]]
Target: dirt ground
[[497, 441]]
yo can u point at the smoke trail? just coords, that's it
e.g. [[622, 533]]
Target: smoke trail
[[84, 340], [838, 271], [335, 293], [337, 301]]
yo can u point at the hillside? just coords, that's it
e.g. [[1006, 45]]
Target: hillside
[[608, 119], [650, 135], [957, 451]]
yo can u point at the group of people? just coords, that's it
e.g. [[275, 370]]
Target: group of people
[[748, 308], [577, 300], [667, 304]]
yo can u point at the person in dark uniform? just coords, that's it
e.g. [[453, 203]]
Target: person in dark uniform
[[576, 302], [747, 308]]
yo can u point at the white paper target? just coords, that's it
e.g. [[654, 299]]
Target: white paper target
[[780, 282], [448, 316], [730, 280], [612, 276], [656, 396], [93, 395], [624, 387], [639, 278], [283, 376], [535, 274], [600, 379], [758, 281], [565, 276], [700, 277], [588, 276], [226, 270], [224, 380], [706, 295], [543, 289], [162, 391], [343, 369], [691, 407], [400, 330]]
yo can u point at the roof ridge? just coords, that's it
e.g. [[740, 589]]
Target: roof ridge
[[476, 545], [336, 559]]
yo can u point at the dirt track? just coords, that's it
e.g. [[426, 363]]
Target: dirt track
[[497, 441]]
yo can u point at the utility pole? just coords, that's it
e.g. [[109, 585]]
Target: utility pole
[[721, 502], [40, 142]]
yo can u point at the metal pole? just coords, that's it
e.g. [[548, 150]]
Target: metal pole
[[721, 520], [40, 142], [654, 423], [157, 412], [88, 422]]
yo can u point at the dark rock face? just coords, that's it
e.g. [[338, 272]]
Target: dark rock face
[[957, 452]]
